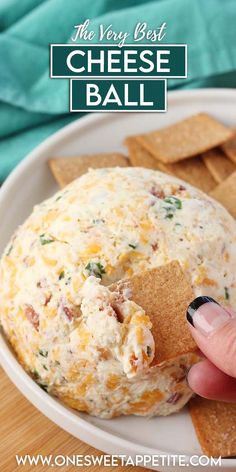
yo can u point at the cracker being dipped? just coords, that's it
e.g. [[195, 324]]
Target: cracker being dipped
[[164, 293]]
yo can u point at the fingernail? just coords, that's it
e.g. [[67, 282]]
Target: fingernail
[[206, 315]]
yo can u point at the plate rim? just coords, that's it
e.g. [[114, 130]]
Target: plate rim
[[50, 405]]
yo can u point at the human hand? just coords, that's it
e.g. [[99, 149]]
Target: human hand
[[214, 330]]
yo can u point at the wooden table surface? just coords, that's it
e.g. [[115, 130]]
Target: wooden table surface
[[24, 430]]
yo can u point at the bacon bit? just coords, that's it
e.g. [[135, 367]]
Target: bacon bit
[[133, 362], [32, 316], [157, 192], [182, 188], [42, 283], [174, 398], [68, 312], [71, 313], [47, 299], [119, 316], [155, 246]]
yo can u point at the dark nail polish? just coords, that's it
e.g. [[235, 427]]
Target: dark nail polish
[[195, 304]]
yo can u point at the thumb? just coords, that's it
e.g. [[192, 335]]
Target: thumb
[[214, 330]]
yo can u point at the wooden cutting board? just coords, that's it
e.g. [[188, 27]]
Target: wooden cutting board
[[24, 430]]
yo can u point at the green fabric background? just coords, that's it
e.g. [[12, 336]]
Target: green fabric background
[[32, 106]]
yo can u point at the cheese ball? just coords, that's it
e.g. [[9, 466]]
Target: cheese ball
[[77, 339]]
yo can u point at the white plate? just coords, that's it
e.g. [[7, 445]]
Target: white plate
[[30, 183]]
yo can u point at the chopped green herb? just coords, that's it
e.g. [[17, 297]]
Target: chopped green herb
[[178, 224], [169, 215], [9, 250], [133, 246], [227, 296], [174, 201], [58, 198], [96, 269], [62, 275], [45, 240], [174, 204], [149, 351], [44, 387], [35, 374], [45, 367], [43, 352]]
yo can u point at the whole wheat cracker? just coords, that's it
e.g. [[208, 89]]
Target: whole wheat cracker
[[215, 425], [67, 169], [186, 138], [218, 164], [164, 293], [230, 147], [138, 156], [191, 170], [225, 193]]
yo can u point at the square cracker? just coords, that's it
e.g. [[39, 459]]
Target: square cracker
[[215, 425], [230, 147], [67, 169], [139, 156], [191, 170], [225, 193], [164, 293], [218, 164], [185, 139]]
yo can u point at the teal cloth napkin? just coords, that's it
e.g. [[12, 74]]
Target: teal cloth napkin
[[33, 106]]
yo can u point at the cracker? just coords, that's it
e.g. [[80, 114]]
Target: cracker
[[139, 156], [230, 147], [225, 193], [164, 293], [218, 164], [215, 425], [185, 139], [193, 171], [67, 169]]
